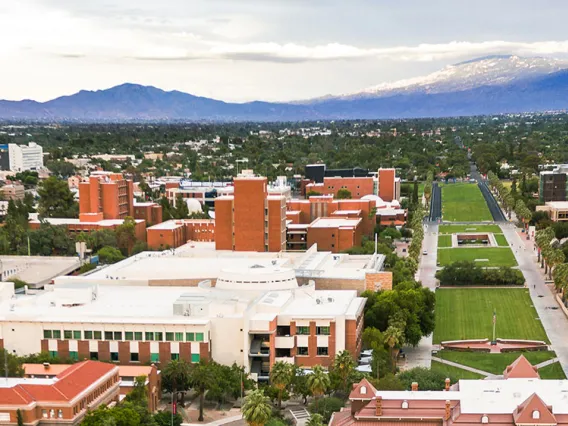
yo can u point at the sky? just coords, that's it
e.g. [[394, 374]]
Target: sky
[[274, 50]]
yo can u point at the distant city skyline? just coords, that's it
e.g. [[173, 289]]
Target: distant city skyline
[[276, 50]]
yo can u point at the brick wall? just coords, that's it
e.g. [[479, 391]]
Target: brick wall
[[378, 281]]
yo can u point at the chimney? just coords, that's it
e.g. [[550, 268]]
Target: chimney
[[447, 413], [414, 386], [46, 365], [379, 408], [447, 384]]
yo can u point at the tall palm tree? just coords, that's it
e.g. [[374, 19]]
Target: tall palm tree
[[318, 382], [256, 409], [281, 378], [546, 253], [315, 420], [202, 378], [393, 336], [556, 257], [343, 367], [561, 276], [176, 379]]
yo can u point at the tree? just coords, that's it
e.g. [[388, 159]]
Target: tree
[[121, 415], [393, 338], [426, 379], [326, 407], [342, 370], [56, 200], [15, 368], [126, 234], [556, 257], [389, 382], [202, 378], [19, 417], [343, 194], [164, 418], [561, 277], [415, 194], [109, 255], [256, 408], [315, 420], [281, 378], [176, 379], [300, 383], [318, 382]]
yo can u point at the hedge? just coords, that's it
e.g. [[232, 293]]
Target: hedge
[[469, 274]]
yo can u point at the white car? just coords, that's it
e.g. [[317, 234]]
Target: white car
[[425, 252]]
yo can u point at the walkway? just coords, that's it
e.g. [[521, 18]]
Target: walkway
[[463, 367], [217, 422]]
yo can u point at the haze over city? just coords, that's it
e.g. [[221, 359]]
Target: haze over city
[[279, 50]]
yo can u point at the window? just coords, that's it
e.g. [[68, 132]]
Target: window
[[179, 337], [47, 334], [149, 335], [199, 337], [57, 334], [322, 331], [108, 335], [53, 354], [59, 414], [118, 335], [189, 337], [155, 357], [114, 356], [134, 357], [159, 336], [195, 357], [98, 335], [137, 335], [67, 334], [94, 355], [169, 337], [302, 350], [88, 335], [323, 351], [128, 335], [77, 334], [303, 330], [44, 414], [74, 355], [175, 357]]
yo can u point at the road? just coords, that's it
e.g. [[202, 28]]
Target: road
[[554, 321], [435, 203]]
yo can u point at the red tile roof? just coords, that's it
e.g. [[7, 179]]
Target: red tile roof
[[363, 390], [521, 369], [534, 412], [14, 396]]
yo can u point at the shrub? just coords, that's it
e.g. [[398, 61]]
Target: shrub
[[86, 267], [468, 273], [326, 407], [110, 255]]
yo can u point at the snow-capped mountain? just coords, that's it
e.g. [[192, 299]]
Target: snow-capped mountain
[[487, 71]]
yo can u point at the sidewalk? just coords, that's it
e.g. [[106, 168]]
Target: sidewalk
[[463, 367], [217, 422]]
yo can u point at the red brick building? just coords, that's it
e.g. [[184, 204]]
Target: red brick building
[[175, 233], [250, 219], [64, 399], [357, 186]]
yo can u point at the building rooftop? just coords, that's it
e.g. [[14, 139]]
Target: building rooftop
[[557, 204], [75, 221], [326, 222], [37, 270]]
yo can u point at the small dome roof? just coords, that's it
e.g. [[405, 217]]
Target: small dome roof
[[378, 200], [193, 205]]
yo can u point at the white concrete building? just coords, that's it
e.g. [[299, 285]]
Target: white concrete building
[[24, 157], [254, 316]]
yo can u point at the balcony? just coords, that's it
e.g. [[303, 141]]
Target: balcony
[[285, 359], [259, 348], [284, 342], [261, 370]]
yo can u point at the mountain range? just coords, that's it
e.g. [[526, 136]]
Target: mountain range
[[489, 85]]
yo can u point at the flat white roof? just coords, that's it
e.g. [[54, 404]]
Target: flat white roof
[[170, 224], [10, 382], [557, 204], [75, 221], [326, 222], [342, 212]]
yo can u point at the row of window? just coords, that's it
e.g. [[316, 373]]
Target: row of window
[[134, 356], [149, 336], [305, 331], [321, 351]]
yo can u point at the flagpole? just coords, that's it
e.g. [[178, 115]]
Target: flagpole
[[494, 322]]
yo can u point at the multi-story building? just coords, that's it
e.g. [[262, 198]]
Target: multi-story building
[[517, 398], [557, 210], [127, 373], [13, 191], [254, 316], [63, 399], [357, 186], [388, 185], [22, 157], [177, 232], [105, 195], [250, 219], [553, 184], [204, 192]]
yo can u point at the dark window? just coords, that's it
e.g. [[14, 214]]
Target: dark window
[[323, 351], [94, 355], [134, 357], [302, 350], [114, 356]]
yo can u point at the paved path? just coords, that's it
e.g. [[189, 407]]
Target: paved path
[[554, 321], [547, 363], [217, 422], [463, 367]]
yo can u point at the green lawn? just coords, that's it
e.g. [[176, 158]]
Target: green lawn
[[501, 240], [496, 256], [552, 371], [493, 363], [467, 313], [454, 229], [463, 202], [454, 373], [444, 240]]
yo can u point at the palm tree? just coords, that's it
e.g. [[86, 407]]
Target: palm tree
[[546, 253], [556, 257], [256, 408], [202, 378], [427, 192], [176, 379], [315, 420], [318, 382], [343, 367], [561, 276], [393, 336], [281, 378]]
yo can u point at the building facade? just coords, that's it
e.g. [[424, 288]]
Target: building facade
[[177, 232], [553, 184], [25, 157], [105, 196], [388, 185], [250, 219], [13, 191]]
